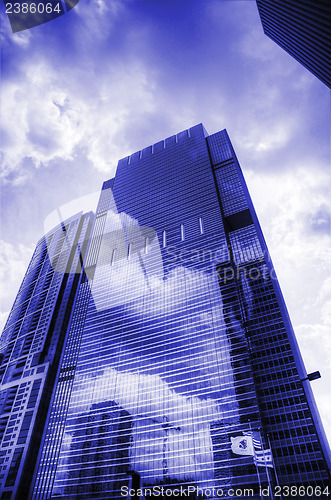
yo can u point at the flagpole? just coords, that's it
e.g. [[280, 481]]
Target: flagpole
[[257, 467], [273, 463], [266, 469]]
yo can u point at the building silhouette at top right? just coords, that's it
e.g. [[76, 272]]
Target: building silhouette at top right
[[303, 29]]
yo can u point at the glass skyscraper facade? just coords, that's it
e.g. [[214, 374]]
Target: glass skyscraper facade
[[175, 342], [303, 29]]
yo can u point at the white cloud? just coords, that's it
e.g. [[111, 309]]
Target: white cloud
[[276, 137], [22, 38], [53, 115], [14, 260], [288, 204], [319, 336], [3, 319], [97, 18], [324, 301], [315, 346]]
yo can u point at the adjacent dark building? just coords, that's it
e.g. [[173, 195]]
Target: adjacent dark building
[[303, 29], [167, 336]]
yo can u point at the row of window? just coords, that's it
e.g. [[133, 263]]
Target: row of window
[[164, 241]]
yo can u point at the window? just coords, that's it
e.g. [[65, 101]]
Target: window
[[129, 250], [113, 257], [201, 225], [182, 232]]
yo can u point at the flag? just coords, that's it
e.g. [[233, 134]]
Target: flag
[[263, 458], [242, 445], [256, 439]]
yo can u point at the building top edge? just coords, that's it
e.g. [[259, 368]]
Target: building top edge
[[178, 138]]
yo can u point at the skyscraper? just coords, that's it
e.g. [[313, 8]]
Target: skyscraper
[[303, 29], [31, 347], [178, 356]]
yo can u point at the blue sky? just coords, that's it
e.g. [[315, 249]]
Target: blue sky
[[110, 78]]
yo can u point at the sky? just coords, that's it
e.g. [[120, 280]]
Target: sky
[[112, 77]]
